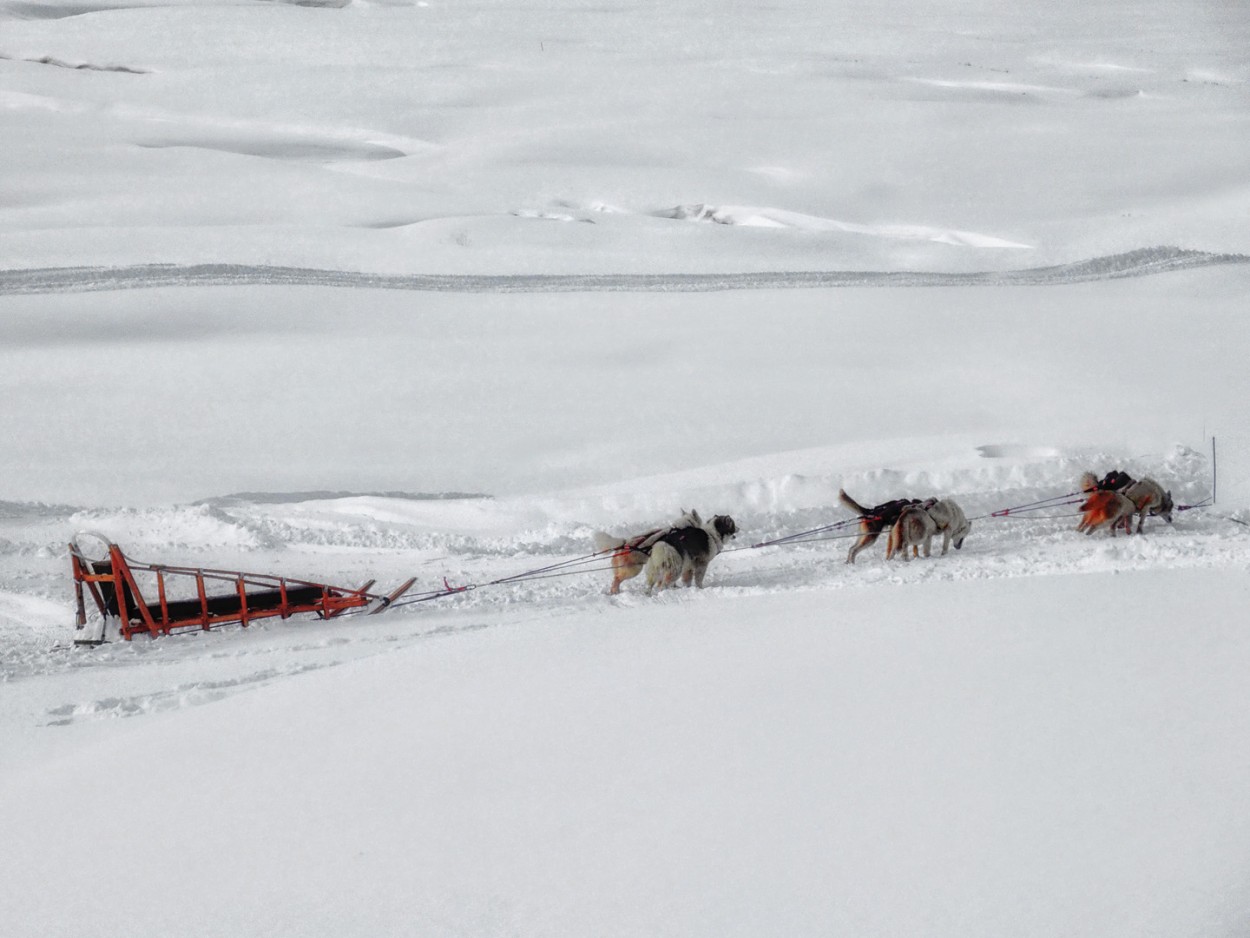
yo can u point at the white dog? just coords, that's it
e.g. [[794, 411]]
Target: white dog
[[951, 522]]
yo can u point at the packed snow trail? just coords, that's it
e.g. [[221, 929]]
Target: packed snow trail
[[489, 544], [1139, 263]]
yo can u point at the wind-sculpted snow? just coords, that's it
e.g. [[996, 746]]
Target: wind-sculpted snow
[[1139, 263]]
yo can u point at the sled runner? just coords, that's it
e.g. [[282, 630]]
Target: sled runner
[[183, 600]]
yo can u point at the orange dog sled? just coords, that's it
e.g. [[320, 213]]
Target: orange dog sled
[[183, 600]]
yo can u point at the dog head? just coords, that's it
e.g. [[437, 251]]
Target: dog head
[[724, 526]]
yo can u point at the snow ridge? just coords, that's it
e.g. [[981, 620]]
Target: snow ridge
[[1138, 263]]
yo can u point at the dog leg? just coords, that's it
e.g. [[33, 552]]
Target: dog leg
[[865, 540], [859, 545], [893, 543]]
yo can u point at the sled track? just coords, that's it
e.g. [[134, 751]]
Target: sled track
[[1139, 263]]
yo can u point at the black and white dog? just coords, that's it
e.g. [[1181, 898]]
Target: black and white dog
[[685, 550]]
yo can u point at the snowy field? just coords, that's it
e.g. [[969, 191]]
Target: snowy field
[[357, 290]]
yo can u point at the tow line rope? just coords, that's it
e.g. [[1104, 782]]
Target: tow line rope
[[1056, 501], [1205, 503], [802, 535], [1209, 502], [539, 573]]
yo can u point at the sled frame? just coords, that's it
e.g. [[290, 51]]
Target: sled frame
[[113, 586]]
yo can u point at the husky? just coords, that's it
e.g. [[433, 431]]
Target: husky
[[1148, 498], [914, 527], [686, 549], [872, 521], [1106, 509], [951, 523], [629, 555]]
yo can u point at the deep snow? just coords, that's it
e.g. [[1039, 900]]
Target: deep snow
[[742, 765], [599, 264]]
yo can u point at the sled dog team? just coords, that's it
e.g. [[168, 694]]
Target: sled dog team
[[683, 550]]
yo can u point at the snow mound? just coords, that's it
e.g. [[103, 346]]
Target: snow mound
[[780, 218]]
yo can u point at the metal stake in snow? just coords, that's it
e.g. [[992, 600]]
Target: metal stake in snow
[[1213, 470]]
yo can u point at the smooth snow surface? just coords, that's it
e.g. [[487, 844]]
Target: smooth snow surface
[[358, 290]]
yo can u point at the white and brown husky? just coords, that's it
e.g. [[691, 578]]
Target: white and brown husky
[[1148, 498], [1105, 509], [914, 528], [629, 554]]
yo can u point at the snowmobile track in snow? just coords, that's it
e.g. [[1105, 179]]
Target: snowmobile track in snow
[[1139, 263]]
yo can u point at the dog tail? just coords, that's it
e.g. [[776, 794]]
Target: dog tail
[[1088, 482], [605, 542], [851, 503]]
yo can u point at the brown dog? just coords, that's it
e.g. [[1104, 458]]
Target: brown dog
[[1106, 509], [873, 521], [914, 527], [627, 560]]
